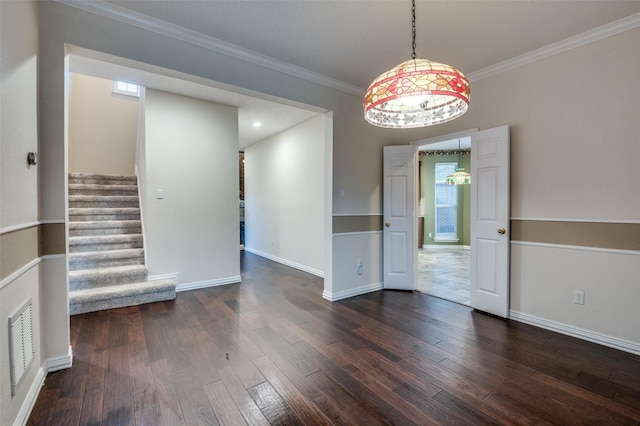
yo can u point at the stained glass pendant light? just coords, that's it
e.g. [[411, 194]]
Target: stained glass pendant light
[[459, 177], [416, 93]]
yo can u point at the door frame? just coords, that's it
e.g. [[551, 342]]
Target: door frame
[[471, 133]]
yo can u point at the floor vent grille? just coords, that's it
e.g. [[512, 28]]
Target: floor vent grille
[[21, 344]]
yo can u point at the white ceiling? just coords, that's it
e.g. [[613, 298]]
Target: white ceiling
[[355, 41]]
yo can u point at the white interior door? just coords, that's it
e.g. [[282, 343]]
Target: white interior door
[[490, 221], [399, 217]]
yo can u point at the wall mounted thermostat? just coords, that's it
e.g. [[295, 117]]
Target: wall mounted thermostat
[[32, 159]]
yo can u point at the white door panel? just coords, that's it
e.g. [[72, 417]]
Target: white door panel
[[487, 258], [398, 243], [490, 221], [399, 217]]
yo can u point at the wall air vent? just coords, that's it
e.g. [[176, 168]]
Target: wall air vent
[[21, 344]]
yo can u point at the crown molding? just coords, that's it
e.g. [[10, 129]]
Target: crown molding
[[118, 13], [587, 37], [111, 11]]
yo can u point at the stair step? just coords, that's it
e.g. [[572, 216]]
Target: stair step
[[104, 227], [104, 242], [100, 179], [105, 259], [95, 189], [121, 295], [103, 201], [95, 214], [94, 278]]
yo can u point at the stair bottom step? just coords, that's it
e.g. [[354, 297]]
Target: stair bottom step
[[121, 295]]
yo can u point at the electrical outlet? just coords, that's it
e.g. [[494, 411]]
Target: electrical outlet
[[578, 297], [430, 235], [360, 268]]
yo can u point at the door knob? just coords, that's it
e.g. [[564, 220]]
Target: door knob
[[501, 231], [387, 224]]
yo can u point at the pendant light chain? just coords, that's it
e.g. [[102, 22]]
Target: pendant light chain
[[413, 28], [416, 93]]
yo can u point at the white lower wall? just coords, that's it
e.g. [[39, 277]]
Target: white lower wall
[[52, 351], [55, 307], [16, 290], [348, 249], [285, 196], [192, 156], [543, 279]]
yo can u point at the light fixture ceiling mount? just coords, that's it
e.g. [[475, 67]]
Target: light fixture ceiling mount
[[416, 93]]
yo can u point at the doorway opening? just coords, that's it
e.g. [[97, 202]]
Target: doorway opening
[[444, 240], [159, 264]]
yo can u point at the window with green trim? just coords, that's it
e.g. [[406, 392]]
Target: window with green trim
[[446, 203]]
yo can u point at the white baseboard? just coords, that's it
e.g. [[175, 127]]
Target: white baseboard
[[569, 330], [51, 364], [173, 276], [209, 283], [31, 398], [294, 265], [332, 297], [60, 362]]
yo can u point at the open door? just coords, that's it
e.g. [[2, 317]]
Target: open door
[[490, 221], [399, 216]]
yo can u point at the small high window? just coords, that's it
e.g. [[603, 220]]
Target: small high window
[[128, 89]]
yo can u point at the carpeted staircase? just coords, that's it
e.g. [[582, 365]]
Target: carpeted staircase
[[106, 254]]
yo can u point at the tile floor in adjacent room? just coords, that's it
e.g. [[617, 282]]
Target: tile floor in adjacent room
[[444, 272]]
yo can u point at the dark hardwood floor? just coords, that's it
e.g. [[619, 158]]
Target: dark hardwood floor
[[272, 351]]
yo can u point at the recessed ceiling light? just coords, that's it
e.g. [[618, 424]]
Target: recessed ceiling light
[[257, 124]]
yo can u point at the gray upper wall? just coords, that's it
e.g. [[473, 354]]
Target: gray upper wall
[[555, 107]]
